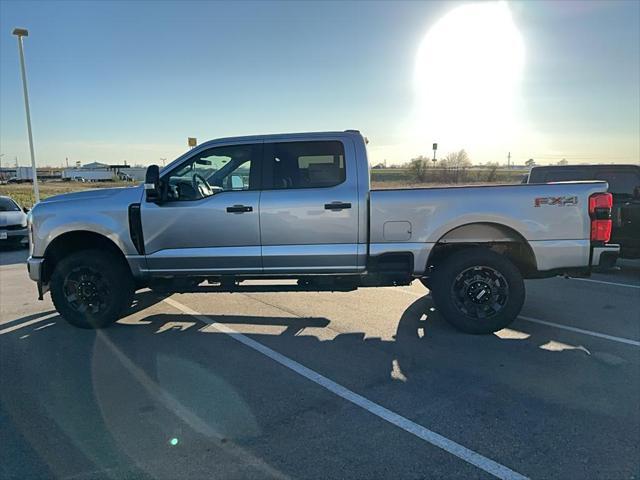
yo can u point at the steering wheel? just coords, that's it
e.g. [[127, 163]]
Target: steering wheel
[[200, 185]]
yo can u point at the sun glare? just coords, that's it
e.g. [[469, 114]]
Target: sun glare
[[467, 76]]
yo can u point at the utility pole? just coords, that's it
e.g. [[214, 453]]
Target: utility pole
[[509, 161], [22, 32]]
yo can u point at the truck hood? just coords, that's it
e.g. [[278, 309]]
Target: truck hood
[[92, 194], [12, 218]]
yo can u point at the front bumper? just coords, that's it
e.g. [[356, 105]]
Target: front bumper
[[34, 267], [14, 236], [605, 255]]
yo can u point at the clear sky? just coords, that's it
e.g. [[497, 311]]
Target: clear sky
[[115, 81]]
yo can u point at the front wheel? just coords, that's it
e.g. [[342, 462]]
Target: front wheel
[[91, 288], [478, 291]]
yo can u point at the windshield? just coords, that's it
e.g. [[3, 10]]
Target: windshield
[[8, 205]]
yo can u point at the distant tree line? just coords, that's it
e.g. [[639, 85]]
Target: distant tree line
[[453, 168]]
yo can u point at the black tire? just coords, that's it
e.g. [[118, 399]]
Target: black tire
[[91, 288], [477, 290]]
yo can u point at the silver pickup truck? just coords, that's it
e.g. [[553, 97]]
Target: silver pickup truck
[[300, 207]]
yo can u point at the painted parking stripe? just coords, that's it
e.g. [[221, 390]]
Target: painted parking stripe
[[613, 338], [627, 341], [469, 456], [605, 283], [26, 324]]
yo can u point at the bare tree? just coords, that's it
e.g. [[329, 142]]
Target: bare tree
[[455, 165], [459, 159]]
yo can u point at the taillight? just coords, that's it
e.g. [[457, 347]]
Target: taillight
[[600, 212]]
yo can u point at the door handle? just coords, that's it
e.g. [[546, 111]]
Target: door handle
[[337, 205], [239, 209]]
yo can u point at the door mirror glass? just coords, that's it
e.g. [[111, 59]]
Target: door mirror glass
[[152, 184], [236, 182]]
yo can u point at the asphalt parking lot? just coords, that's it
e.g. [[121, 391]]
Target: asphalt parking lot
[[366, 384]]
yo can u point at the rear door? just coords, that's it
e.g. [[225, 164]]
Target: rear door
[[309, 207]]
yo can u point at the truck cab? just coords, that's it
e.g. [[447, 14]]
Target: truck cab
[[291, 203]]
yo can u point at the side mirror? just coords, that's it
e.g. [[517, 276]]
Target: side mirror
[[25, 209], [236, 182], [152, 184]]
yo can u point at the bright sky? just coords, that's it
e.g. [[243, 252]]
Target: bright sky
[[117, 81]]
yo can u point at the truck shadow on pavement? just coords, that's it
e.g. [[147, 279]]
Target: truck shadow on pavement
[[149, 401], [12, 255]]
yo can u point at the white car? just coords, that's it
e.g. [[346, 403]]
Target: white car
[[13, 223]]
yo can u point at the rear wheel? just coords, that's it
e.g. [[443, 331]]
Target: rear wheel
[[478, 291], [91, 288]]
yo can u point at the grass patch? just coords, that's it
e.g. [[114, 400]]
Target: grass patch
[[23, 192]]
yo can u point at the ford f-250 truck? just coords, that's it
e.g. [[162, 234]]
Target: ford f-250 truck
[[299, 206]]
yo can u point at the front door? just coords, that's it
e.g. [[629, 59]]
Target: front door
[[309, 208], [208, 221]]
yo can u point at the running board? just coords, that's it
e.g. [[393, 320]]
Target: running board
[[253, 288]]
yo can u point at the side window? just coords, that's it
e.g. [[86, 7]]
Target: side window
[[293, 165], [218, 169], [620, 182]]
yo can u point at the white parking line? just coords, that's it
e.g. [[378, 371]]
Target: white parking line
[[613, 338], [606, 283], [469, 456], [26, 324], [580, 330], [44, 326]]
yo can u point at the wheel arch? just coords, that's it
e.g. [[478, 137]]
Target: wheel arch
[[494, 236], [75, 241]]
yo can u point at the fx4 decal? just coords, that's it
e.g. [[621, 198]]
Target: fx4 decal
[[557, 201]]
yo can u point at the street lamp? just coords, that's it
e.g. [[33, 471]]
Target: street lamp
[[23, 32]]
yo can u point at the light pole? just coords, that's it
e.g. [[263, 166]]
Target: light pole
[[23, 32]]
